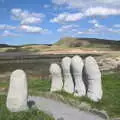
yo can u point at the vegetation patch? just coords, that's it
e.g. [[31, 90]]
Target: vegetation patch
[[39, 86], [110, 101], [32, 114]]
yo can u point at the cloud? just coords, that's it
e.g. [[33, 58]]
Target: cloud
[[86, 8], [67, 28], [84, 4], [7, 33], [6, 27], [46, 6], [115, 2], [26, 17], [101, 11], [114, 30], [67, 17], [99, 30], [70, 3], [97, 11], [96, 23], [89, 31], [32, 29], [116, 25]]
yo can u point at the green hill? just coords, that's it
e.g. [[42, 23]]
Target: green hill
[[88, 42]]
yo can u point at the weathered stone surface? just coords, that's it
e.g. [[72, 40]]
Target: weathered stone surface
[[57, 82], [77, 69], [93, 74], [17, 94], [68, 81]]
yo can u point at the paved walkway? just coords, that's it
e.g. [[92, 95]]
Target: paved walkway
[[61, 111]]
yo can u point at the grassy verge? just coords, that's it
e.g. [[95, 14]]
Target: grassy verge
[[111, 97], [110, 101], [29, 115]]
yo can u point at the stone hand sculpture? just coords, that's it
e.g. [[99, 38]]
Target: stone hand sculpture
[[57, 82], [77, 69], [93, 74], [68, 81], [17, 94]]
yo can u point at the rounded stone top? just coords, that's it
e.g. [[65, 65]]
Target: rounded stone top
[[90, 59], [19, 73], [77, 63], [66, 62], [55, 68], [91, 65], [77, 59]]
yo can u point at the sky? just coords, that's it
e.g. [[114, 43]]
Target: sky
[[46, 21]]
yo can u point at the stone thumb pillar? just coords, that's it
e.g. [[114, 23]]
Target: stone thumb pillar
[[17, 93], [56, 83], [93, 74], [77, 68], [68, 81]]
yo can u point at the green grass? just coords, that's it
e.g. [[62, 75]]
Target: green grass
[[110, 101], [111, 94], [29, 115], [111, 97], [39, 86]]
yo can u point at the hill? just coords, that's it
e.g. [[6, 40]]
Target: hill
[[88, 42]]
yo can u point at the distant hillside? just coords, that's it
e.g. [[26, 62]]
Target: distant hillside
[[88, 42], [4, 45]]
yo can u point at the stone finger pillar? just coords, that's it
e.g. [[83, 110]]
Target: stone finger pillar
[[68, 81], [57, 82], [17, 93], [94, 83], [77, 69]]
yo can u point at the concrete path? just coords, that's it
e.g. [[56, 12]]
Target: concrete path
[[61, 111]]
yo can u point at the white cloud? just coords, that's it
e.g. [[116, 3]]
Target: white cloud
[[7, 33], [67, 17], [116, 25], [89, 31], [71, 3], [32, 29], [26, 17], [6, 27], [84, 4], [46, 6], [101, 11], [96, 11], [99, 30], [86, 8], [67, 28], [109, 1], [96, 23], [114, 30]]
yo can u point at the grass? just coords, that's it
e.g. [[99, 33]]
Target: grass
[[35, 85], [32, 114], [39, 86], [110, 101], [111, 97]]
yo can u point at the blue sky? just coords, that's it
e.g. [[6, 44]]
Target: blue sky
[[46, 21]]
